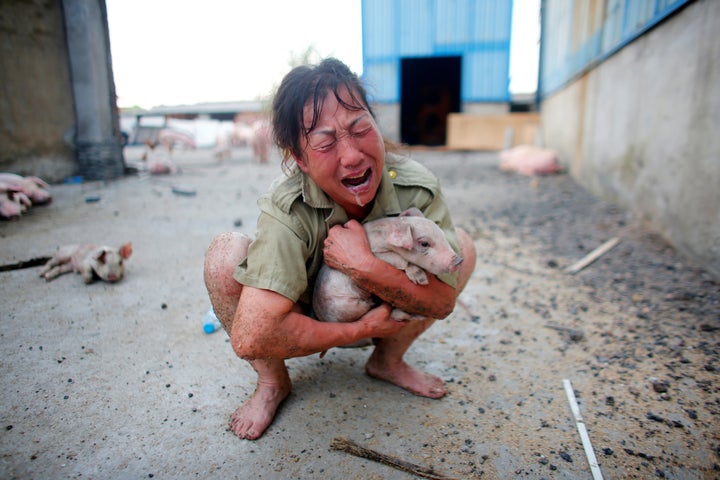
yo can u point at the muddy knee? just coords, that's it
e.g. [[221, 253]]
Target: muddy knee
[[225, 252], [469, 255]]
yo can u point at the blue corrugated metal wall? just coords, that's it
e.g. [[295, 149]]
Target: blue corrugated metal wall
[[476, 30], [578, 34]]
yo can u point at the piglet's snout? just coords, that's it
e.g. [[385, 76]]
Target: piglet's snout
[[455, 263]]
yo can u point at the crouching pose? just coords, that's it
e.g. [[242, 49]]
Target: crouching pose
[[338, 176]]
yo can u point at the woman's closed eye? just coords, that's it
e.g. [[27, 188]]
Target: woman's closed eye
[[323, 144]]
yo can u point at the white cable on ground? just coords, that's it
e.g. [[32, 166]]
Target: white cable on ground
[[594, 467]]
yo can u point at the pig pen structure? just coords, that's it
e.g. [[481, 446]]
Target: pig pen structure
[[59, 111]]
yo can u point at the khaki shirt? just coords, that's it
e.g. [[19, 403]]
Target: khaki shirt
[[296, 214]]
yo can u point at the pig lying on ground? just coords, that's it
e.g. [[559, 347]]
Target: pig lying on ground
[[18, 193], [106, 263], [409, 242], [33, 187], [12, 204], [529, 160]]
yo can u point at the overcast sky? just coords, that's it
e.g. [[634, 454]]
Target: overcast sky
[[170, 52]]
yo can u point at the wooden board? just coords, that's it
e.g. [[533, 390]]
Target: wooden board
[[491, 132]]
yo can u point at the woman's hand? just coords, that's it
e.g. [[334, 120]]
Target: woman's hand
[[347, 247], [379, 323]]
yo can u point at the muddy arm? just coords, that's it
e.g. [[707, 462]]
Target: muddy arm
[[266, 325]]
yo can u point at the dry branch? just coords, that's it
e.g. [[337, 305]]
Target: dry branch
[[592, 256], [33, 262], [348, 446]]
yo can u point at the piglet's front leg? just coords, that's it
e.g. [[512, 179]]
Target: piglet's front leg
[[416, 274], [402, 316], [55, 269], [60, 263]]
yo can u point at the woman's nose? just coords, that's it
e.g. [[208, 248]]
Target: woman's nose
[[349, 150]]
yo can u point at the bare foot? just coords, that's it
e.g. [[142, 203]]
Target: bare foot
[[254, 416], [403, 375]]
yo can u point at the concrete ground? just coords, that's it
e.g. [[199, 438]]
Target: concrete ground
[[119, 381]]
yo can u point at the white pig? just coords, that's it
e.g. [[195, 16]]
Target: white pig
[[409, 242], [12, 204], [32, 187], [107, 263], [529, 160]]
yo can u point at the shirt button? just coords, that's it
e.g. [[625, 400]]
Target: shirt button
[[392, 174]]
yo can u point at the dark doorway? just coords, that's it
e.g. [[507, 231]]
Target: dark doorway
[[429, 91]]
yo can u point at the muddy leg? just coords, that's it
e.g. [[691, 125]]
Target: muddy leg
[[253, 417], [224, 253], [469, 255], [386, 361]]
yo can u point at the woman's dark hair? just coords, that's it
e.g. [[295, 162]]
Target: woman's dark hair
[[311, 84]]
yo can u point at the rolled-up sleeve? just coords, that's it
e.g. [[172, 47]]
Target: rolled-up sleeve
[[276, 260]]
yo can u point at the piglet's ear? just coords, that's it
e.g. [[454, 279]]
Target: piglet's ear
[[412, 212], [126, 250], [400, 236], [100, 255]]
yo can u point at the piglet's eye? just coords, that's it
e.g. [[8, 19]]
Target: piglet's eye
[[424, 243]]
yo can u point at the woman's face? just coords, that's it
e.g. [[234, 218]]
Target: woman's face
[[344, 154]]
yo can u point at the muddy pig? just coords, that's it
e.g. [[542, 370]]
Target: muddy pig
[[106, 263], [409, 242]]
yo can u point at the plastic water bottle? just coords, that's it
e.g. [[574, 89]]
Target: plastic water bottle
[[210, 322]]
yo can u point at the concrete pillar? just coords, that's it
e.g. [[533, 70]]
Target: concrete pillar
[[98, 150]]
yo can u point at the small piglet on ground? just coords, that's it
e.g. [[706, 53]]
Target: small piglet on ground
[[409, 242], [106, 263]]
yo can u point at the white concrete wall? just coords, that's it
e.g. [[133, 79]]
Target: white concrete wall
[[643, 129]]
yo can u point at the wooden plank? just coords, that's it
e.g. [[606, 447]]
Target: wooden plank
[[488, 132]]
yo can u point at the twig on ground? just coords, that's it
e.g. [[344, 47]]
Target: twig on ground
[[592, 256], [348, 446], [33, 262], [575, 334]]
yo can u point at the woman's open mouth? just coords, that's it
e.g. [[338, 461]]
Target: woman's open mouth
[[354, 182]]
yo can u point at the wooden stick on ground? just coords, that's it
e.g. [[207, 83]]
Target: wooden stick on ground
[[33, 262], [348, 446], [592, 256]]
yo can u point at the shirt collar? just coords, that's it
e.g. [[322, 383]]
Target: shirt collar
[[313, 195]]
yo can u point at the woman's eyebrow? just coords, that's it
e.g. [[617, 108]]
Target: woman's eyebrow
[[358, 119], [331, 131]]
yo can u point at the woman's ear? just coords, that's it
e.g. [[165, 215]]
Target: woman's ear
[[301, 163]]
